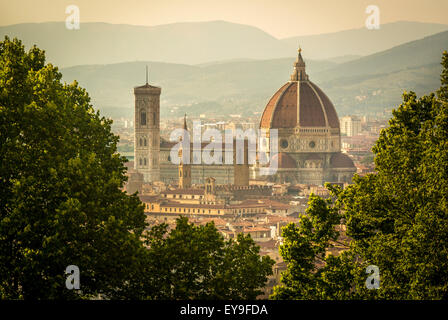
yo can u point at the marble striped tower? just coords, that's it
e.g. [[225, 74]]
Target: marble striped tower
[[147, 131]]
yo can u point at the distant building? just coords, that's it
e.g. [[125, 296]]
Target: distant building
[[212, 200], [350, 126]]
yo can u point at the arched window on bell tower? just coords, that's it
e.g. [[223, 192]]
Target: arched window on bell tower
[[143, 118], [140, 142], [144, 142]]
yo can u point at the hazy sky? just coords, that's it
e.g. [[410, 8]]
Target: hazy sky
[[280, 18]]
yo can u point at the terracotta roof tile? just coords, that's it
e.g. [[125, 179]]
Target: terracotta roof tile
[[315, 108], [285, 113], [267, 114], [332, 115], [340, 160], [284, 161], [185, 191], [310, 113]]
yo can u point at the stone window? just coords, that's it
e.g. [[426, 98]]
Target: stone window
[[143, 118]]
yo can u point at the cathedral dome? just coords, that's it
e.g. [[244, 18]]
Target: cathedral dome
[[284, 161], [340, 160], [302, 99]]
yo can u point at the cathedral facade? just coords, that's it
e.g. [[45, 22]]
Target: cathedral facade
[[309, 142]]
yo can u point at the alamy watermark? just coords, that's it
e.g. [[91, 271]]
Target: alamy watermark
[[72, 21], [373, 20], [373, 281], [73, 279]]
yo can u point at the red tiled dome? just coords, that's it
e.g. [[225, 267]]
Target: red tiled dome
[[284, 161], [315, 108], [340, 160]]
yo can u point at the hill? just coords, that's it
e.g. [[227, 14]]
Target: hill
[[365, 85], [239, 86], [202, 42], [186, 43], [363, 41], [370, 94], [409, 55]]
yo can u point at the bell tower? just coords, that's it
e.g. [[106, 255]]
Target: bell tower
[[147, 131]]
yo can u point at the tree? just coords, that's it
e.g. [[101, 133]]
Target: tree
[[195, 262], [311, 273], [367, 160], [61, 204], [60, 179], [443, 91], [397, 218]]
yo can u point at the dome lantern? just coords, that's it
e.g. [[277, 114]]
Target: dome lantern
[[299, 73]]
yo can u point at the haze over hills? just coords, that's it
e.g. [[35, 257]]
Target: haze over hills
[[223, 68], [363, 41], [202, 42], [408, 55], [365, 85], [240, 86], [378, 80], [187, 43]]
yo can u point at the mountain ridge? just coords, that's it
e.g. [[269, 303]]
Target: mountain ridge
[[187, 42], [245, 87], [366, 41]]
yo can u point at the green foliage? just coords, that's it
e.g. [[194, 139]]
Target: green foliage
[[60, 178], [61, 204], [367, 160], [443, 91], [195, 262], [397, 219], [304, 249]]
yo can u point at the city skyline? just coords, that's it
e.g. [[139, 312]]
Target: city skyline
[[311, 166]]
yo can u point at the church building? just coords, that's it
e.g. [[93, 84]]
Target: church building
[[308, 138]]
